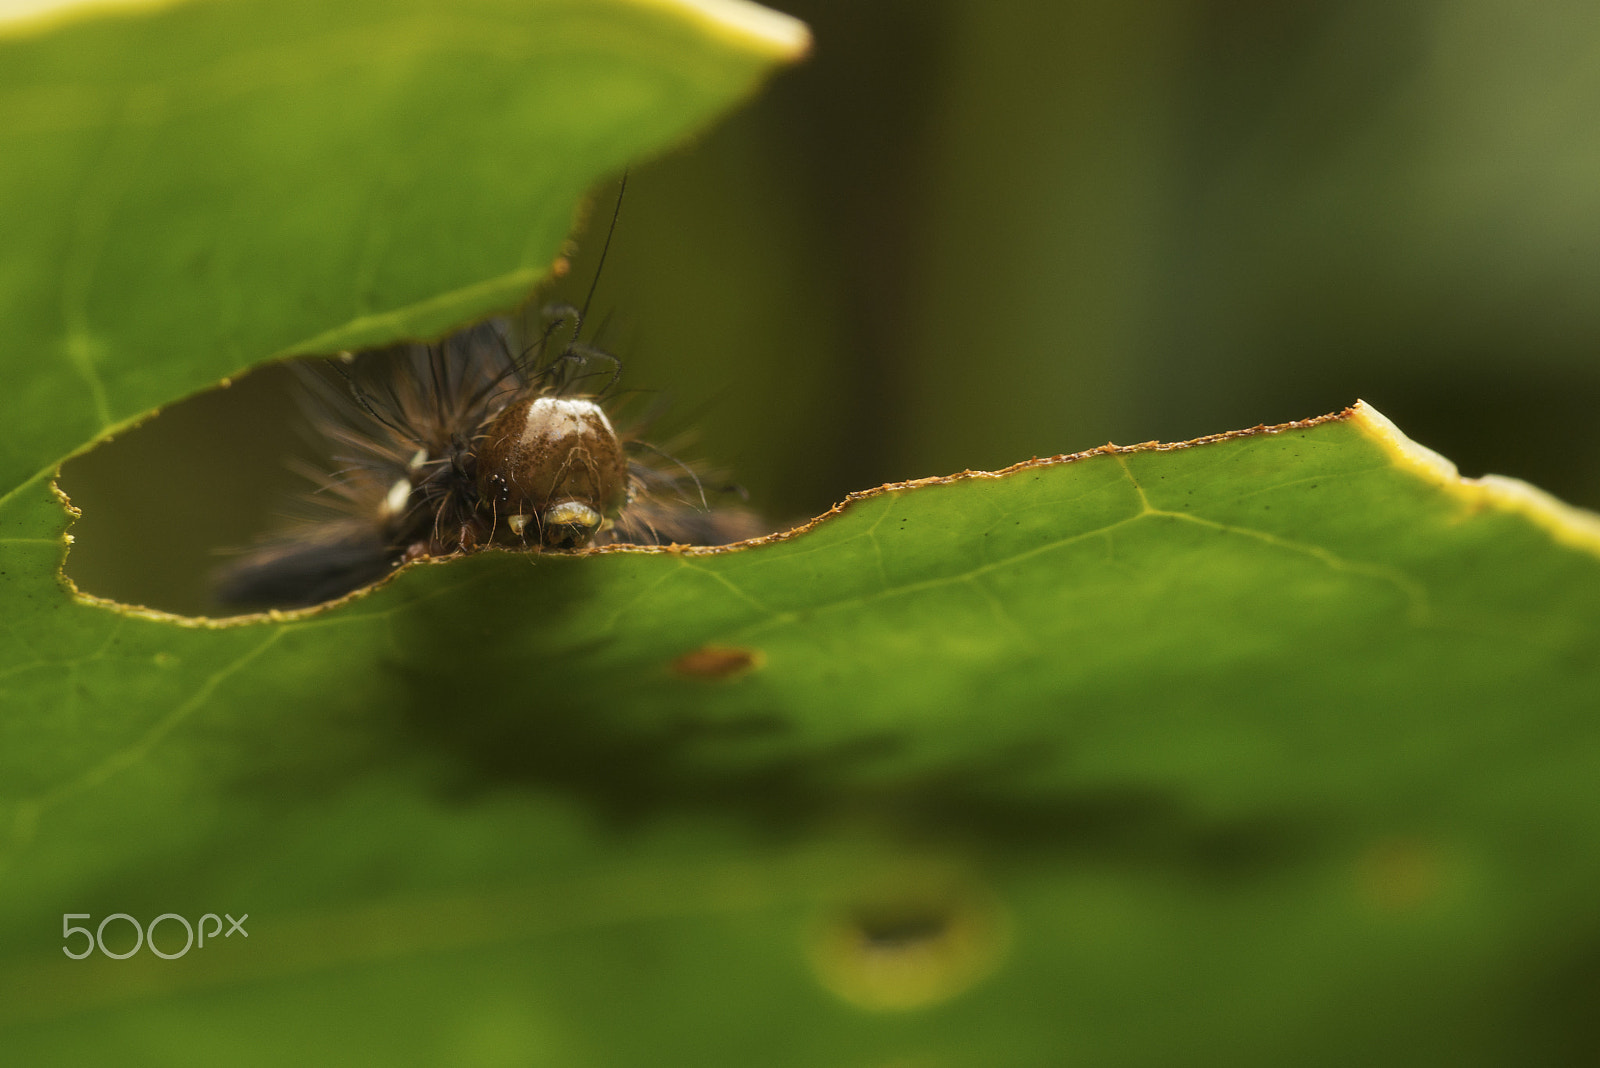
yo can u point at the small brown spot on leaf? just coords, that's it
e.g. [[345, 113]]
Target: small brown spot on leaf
[[717, 662]]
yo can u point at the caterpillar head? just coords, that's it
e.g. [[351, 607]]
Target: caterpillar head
[[553, 470]]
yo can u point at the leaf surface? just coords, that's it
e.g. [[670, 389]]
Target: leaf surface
[[1275, 725]]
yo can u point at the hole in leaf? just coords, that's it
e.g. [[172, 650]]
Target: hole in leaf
[[918, 939], [500, 436], [163, 503]]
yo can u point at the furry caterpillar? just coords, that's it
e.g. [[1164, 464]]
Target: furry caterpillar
[[470, 443]]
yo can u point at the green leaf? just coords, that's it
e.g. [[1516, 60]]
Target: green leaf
[[1281, 727], [201, 187], [1273, 748]]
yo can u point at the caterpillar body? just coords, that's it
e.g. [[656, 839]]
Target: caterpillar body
[[470, 443]]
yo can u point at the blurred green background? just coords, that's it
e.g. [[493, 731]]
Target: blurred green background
[[967, 233]]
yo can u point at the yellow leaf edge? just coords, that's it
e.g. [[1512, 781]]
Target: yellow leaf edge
[[1574, 527]]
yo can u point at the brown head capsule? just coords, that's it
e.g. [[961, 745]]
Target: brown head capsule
[[554, 464]]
